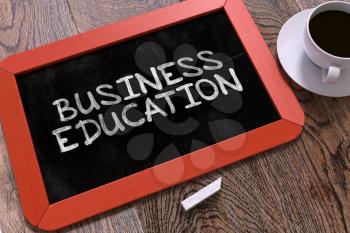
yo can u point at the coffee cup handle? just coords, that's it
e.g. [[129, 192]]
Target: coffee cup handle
[[331, 74]]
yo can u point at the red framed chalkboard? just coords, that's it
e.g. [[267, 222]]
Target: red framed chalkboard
[[44, 206]]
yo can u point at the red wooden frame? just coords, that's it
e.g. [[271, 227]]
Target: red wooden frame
[[35, 205]]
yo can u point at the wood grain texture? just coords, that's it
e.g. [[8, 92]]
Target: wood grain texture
[[25, 25], [299, 187], [28, 24], [89, 14]]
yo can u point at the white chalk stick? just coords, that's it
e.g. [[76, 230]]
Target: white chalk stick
[[201, 195]]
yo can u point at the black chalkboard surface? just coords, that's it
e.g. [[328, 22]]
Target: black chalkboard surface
[[204, 48]]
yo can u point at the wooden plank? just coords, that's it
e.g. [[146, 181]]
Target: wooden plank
[[299, 187], [90, 14], [29, 24], [124, 219]]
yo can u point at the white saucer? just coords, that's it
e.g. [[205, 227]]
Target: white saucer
[[290, 49]]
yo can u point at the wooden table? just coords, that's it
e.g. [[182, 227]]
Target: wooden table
[[299, 187]]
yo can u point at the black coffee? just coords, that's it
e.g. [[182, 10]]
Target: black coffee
[[331, 32]]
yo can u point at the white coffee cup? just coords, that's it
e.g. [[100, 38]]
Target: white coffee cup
[[330, 64]]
